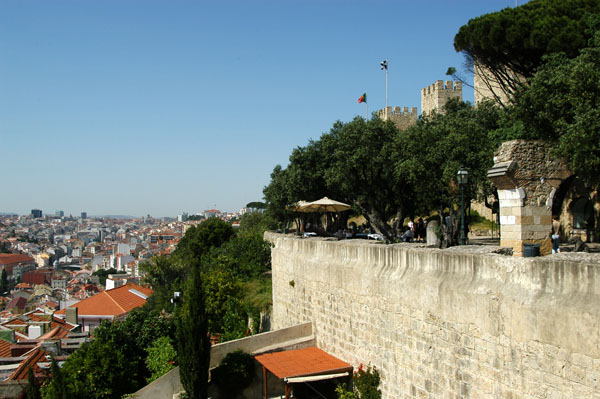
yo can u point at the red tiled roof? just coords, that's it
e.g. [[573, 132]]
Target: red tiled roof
[[24, 286], [302, 362], [36, 355], [115, 302], [4, 348], [14, 322], [7, 259], [55, 333], [18, 302]]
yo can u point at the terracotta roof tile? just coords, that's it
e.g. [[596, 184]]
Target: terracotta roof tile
[[34, 356], [18, 302], [113, 302], [56, 333], [4, 348], [302, 362], [7, 259]]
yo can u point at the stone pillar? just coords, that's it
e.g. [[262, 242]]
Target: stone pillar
[[526, 178], [522, 223]]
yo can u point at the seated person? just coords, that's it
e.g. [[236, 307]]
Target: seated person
[[408, 236]]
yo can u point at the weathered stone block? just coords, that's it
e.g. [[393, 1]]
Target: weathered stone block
[[507, 327]]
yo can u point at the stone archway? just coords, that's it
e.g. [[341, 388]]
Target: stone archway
[[528, 180], [578, 216]]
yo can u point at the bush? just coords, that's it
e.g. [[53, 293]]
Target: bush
[[234, 373], [161, 356], [366, 385]]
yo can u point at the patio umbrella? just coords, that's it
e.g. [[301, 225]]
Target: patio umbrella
[[298, 206], [325, 205]]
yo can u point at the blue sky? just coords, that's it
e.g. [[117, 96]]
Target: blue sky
[[160, 107]]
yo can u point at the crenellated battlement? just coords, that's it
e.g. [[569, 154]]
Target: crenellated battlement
[[440, 86], [436, 95], [402, 117]]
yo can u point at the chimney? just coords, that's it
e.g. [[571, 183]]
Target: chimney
[[34, 332], [71, 314]]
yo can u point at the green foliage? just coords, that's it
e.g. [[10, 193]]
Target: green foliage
[[235, 321], [161, 356], [3, 281], [362, 170], [165, 275], [246, 257], [234, 373], [343, 393], [223, 291], [350, 163], [32, 390], [55, 388], [103, 274], [256, 205], [515, 40], [458, 137], [99, 370], [366, 385], [258, 294], [193, 344], [199, 239], [562, 105], [366, 382], [257, 223]]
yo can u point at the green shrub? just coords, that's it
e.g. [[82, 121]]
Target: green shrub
[[234, 373], [366, 385]]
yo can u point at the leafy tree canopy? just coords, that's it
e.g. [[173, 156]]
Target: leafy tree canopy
[[458, 137], [256, 205], [562, 104], [198, 239], [351, 164], [515, 40], [114, 363], [160, 359]]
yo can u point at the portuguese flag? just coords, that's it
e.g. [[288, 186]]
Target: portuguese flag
[[363, 98]]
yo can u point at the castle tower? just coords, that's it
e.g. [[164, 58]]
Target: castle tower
[[401, 118], [435, 96]]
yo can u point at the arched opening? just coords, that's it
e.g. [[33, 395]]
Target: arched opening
[[583, 214], [561, 194]]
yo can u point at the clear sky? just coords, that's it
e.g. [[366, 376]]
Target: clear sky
[[162, 107]]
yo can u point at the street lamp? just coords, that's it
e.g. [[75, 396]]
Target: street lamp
[[463, 178]]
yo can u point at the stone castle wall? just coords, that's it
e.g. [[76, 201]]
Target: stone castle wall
[[403, 119], [445, 323], [435, 96]]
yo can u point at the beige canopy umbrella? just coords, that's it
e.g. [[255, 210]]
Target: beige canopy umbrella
[[298, 206], [324, 205]]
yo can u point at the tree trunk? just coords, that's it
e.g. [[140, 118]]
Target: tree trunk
[[398, 223], [449, 227], [379, 224]]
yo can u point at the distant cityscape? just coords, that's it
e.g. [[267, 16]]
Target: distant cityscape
[[67, 246]]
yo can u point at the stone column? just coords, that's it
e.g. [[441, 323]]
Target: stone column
[[521, 223], [526, 178]]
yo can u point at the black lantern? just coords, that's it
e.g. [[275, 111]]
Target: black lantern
[[463, 178]]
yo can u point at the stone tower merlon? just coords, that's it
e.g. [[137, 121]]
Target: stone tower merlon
[[403, 119], [435, 96]]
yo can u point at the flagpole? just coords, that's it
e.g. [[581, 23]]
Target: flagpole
[[384, 65], [386, 91], [367, 107]]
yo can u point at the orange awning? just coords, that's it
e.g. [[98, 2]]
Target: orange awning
[[302, 362]]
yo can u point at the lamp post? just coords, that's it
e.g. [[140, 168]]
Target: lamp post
[[463, 178]]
